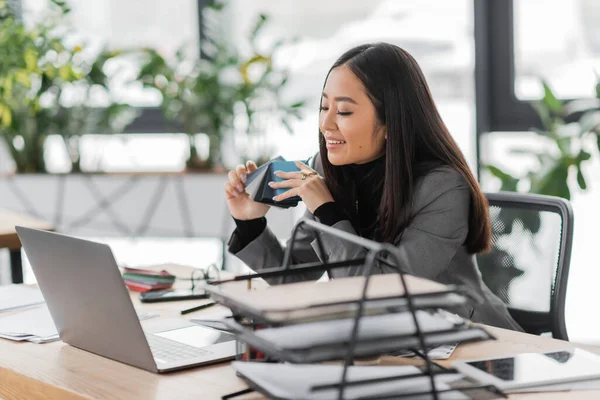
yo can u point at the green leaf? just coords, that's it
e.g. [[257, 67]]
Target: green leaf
[[287, 125], [580, 179], [5, 116], [62, 5], [597, 84], [31, 59], [23, 78], [258, 25], [553, 183], [65, 72], [550, 100], [563, 143], [544, 113], [524, 152], [583, 156], [509, 182], [298, 104]]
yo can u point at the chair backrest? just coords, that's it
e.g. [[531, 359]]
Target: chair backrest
[[528, 265]]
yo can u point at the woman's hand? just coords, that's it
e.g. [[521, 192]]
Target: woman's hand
[[306, 183], [241, 206]]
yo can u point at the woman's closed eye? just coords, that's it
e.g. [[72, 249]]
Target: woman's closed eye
[[342, 113]]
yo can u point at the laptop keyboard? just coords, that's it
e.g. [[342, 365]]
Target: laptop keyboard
[[165, 350]]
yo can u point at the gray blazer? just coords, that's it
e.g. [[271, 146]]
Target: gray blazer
[[432, 246]]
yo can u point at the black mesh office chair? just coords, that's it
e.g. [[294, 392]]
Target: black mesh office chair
[[528, 265]]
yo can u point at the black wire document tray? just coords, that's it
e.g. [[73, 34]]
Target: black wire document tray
[[340, 298], [377, 334], [369, 315], [320, 382]]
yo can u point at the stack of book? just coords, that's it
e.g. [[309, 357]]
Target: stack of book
[[142, 280]]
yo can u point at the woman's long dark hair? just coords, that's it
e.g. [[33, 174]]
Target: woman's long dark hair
[[417, 141]]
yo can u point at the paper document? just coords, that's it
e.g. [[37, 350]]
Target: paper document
[[34, 325], [442, 352], [295, 381], [321, 333], [378, 335], [214, 319], [16, 296]]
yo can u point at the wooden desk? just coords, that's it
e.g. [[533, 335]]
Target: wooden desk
[[59, 371], [9, 239]]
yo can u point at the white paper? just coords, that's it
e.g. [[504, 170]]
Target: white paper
[[442, 352], [294, 381], [35, 322], [318, 333], [575, 386], [36, 325], [16, 296], [144, 315]]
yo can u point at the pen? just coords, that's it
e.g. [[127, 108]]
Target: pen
[[200, 307]]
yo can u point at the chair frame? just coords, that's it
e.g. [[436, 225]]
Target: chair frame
[[538, 321]]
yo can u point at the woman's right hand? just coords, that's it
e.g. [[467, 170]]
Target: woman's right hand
[[241, 206]]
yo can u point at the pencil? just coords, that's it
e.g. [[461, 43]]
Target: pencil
[[200, 307]]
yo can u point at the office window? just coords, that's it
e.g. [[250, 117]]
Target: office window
[[438, 33], [128, 24], [559, 41]]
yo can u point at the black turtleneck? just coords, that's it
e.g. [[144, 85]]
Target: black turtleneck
[[365, 187]]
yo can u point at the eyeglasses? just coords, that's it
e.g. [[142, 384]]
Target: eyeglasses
[[208, 274]]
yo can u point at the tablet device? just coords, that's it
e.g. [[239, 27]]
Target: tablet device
[[533, 369], [155, 296]]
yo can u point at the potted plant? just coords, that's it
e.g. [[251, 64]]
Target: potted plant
[[37, 72], [205, 95], [570, 134]]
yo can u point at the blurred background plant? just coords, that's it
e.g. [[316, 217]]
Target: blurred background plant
[[570, 135], [223, 94], [46, 85], [569, 138]]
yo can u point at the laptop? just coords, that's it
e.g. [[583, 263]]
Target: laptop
[[92, 309]]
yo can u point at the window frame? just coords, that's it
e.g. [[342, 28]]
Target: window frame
[[151, 119], [497, 106]]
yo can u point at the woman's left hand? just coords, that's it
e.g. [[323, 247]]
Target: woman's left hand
[[306, 183]]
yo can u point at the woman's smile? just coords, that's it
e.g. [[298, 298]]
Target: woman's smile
[[333, 145]]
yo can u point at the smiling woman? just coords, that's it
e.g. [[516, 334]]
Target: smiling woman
[[348, 121], [388, 170]]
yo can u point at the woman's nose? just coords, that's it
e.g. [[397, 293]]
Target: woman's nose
[[327, 122]]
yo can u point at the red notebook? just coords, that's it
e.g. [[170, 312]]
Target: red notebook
[[146, 271], [137, 277], [142, 287]]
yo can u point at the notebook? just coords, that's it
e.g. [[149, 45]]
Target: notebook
[[143, 280]]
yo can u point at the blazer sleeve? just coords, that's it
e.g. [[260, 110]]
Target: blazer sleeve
[[438, 229], [266, 251]]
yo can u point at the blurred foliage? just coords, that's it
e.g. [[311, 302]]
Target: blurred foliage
[[38, 73], [570, 135], [206, 95], [567, 128]]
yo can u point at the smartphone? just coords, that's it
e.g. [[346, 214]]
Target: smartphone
[[156, 296]]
